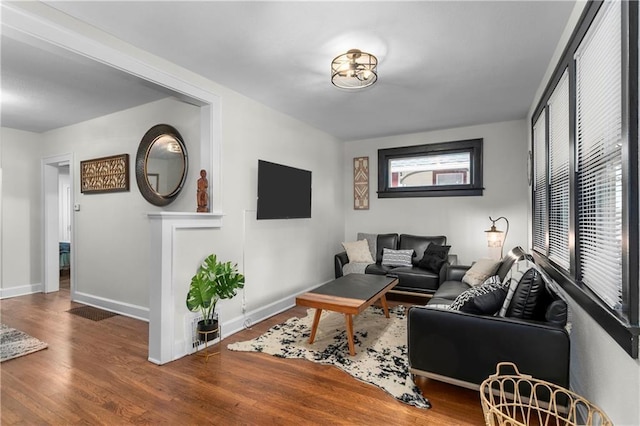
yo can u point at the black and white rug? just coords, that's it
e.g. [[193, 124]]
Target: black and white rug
[[380, 343], [15, 343]]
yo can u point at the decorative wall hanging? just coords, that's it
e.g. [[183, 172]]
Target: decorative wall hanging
[[361, 183], [106, 174]]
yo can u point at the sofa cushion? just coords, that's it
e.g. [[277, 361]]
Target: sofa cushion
[[485, 299], [396, 257], [512, 280], [451, 289], [358, 251], [412, 278], [385, 241], [434, 257], [439, 301], [378, 269], [480, 271], [371, 240], [419, 244]]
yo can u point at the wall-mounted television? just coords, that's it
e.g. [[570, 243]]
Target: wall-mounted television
[[283, 192]]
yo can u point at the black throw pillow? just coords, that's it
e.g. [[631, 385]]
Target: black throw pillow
[[487, 303], [434, 257], [526, 295]]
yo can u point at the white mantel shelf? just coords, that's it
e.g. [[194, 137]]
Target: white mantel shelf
[[161, 299], [199, 217]]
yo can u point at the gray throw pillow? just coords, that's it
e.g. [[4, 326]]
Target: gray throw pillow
[[372, 239], [396, 257]]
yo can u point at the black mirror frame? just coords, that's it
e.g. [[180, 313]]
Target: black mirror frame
[[472, 146], [146, 143]]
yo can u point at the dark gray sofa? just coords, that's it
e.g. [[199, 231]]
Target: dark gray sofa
[[411, 279], [464, 348]]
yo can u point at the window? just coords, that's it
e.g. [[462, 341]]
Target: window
[[599, 156], [540, 184], [559, 179], [434, 170], [585, 189]]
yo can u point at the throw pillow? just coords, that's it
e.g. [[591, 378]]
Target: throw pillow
[[434, 257], [358, 252], [557, 313], [511, 280], [525, 297], [396, 257], [372, 240], [485, 299], [480, 271]]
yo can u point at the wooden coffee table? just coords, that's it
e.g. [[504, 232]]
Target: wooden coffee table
[[349, 295]]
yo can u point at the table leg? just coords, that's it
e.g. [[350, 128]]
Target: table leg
[[314, 327], [385, 308], [349, 320]]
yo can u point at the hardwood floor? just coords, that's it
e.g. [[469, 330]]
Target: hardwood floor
[[98, 373]]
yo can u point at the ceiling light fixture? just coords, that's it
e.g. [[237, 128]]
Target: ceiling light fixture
[[354, 70]]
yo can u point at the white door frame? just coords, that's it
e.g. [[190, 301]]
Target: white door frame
[[50, 224]]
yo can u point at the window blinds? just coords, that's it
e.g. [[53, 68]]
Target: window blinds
[[599, 156], [559, 173], [540, 184]]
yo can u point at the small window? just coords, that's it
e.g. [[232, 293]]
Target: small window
[[434, 170]]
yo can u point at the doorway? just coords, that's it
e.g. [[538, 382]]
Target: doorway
[[57, 203]]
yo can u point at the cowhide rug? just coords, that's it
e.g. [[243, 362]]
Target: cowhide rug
[[380, 343]]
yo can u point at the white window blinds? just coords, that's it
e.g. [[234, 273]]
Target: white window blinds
[[599, 157], [540, 184], [559, 173]]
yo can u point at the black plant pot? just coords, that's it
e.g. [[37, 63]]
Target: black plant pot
[[208, 330]]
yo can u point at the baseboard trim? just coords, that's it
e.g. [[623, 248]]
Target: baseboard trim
[[22, 290], [245, 320], [126, 309], [257, 315]]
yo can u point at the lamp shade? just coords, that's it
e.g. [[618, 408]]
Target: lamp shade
[[496, 237], [354, 70]]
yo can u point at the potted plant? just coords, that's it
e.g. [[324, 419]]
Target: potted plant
[[213, 281]]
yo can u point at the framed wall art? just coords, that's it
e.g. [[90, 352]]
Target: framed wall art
[[106, 174], [361, 183]]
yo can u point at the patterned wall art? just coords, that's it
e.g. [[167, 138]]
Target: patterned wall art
[[106, 174], [361, 183]]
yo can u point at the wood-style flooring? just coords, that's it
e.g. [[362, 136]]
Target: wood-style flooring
[[98, 373]]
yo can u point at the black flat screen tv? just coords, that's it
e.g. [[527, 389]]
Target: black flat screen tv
[[283, 192]]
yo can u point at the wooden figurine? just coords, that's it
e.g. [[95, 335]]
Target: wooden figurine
[[202, 195]]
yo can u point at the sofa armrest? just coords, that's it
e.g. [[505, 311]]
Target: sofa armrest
[[467, 347], [339, 260], [455, 272]]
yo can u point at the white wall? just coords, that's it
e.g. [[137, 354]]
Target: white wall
[[280, 258], [601, 370], [111, 234], [21, 205], [462, 219]]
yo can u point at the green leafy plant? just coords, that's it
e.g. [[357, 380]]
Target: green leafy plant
[[213, 281]]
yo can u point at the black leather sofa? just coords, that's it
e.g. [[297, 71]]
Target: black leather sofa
[[464, 348], [411, 279]]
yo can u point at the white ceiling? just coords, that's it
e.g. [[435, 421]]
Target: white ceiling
[[441, 64]]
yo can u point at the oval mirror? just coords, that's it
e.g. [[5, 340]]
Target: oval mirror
[[161, 165]]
